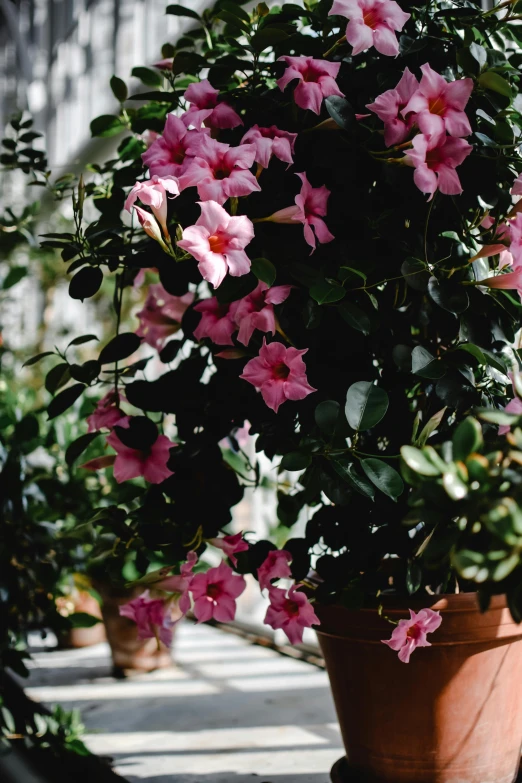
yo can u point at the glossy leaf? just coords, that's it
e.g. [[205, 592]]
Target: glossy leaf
[[366, 405]]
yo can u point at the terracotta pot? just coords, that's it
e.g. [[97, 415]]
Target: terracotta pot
[[452, 715], [82, 601], [128, 651]]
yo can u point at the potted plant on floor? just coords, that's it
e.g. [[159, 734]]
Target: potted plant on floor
[[324, 194]]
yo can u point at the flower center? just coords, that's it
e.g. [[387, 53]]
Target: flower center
[[413, 632], [217, 243], [213, 591], [433, 159], [437, 105], [177, 154], [280, 372], [221, 172], [291, 608], [371, 19]]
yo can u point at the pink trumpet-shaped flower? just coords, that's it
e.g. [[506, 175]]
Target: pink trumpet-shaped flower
[[107, 413], [316, 80], [205, 108], [151, 616], [516, 190], [256, 310], [181, 583], [171, 153], [230, 545], [161, 315], [435, 164], [513, 406], [270, 141], [372, 23], [165, 64], [217, 241], [410, 634], [217, 321], [275, 566], [509, 281], [148, 137], [439, 105], [220, 171], [150, 225], [291, 611], [153, 193], [131, 463], [389, 105], [311, 207], [279, 373], [512, 232], [215, 593]]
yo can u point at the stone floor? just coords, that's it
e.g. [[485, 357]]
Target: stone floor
[[228, 712]]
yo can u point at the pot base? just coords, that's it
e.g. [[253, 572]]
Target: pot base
[[341, 773]]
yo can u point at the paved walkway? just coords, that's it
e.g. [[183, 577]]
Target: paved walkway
[[228, 712]]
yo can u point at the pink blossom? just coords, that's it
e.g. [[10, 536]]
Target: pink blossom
[[161, 315], [217, 241], [508, 282], [512, 232], [217, 321], [389, 106], [514, 406], [316, 80], [131, 463], [181, 583], [372, 23], [150, 225], [311, 207], [230, 545], [148, 137], [107, 413], [151, 617], [411, 633], [275, 566], [256, 310], [153, 193], [171, 153], [239, 434], [205, 108], [165, 64], [435, 164], [215, 593], [439, 105], [220, 171], [279, 373], [270, 141], [291, 611], [516, 190]]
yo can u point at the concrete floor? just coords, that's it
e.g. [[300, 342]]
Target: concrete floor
[[228, 712]]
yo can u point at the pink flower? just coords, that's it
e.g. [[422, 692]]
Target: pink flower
[[513, 406], [372, 23], [256, 310], [150, 225], [165, 64], [215, 593], [218, 242], [148, 137], [131, 463], [279, 373], [388, 108], [161, 315], [316, 80], [205, 108], [439, 105], [151, 617], [516, 190], [270, 141], [310, 209], [411, 633], [290, 611], [153, 193], [435, 164], [512, 232], [107, 412], [508, 282], [217, 322], [181, 583], [220, 171], [275, 566], [230, 545], [171, 153]]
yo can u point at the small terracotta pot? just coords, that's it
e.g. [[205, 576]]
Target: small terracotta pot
[[82, 601], [452, 715], [128, 650]]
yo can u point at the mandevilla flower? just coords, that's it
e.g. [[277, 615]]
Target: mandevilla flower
[[316, 80], [230, 545], [509, 281], [389, 106], [151, 463], [439, 105], [270, 141], [256, 310], [372, 23], [513, 406], [161, 315], [151, 615], [410, 634], [310, 209], [215, 593], [220, 171], [516, 190], [181, 583], [172, 153], [153, 193], [150, 225], [275, 566], [107, 413], [279, 373], [217, 321], [291, 611], [205, 108], [218, 242], [435, 164]]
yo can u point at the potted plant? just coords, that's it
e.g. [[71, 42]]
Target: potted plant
[[324, 198]]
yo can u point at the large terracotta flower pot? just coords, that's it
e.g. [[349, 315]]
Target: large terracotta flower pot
[[81, 601], [452, 715]]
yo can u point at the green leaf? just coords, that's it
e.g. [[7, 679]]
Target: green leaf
[[341, 111], [57, 377], [454, 486], [355, 317], [120, 347], [327, 291], [366, 405], [346, 469], [86, 283], [15, 274], [383, 476], [83, 620], [235, 9], [493, 81], [413, 576], [479, 53], [451, 297], [425, 365], [430, 426], [106, 125], [467, 438], [327, 416], [264, 270], [267, 36], [84, 338], [148, 76], [119, 89], [417, 461], [78, 446], [37, 358], [498, 417], [64, 400], [296, 460], [233, 19], [415, 273], [180, 10]]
